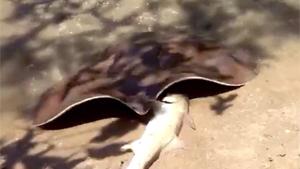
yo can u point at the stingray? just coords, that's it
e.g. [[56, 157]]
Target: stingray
[[137, 71]]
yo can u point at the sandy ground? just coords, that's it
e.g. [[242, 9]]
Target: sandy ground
[[256, 126]]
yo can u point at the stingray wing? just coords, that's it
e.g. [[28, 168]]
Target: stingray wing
[[135, 73]]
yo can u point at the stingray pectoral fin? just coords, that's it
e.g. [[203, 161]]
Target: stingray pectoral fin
[[175, 143], [188, 119]]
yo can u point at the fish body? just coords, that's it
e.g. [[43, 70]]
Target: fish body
[[160, 132]]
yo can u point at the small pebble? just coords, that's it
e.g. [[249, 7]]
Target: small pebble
[[270, 159], [281, 155]]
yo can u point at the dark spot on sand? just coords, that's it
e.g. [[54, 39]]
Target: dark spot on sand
[[281, 155], [270, 159]]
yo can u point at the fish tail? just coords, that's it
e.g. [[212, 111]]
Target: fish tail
[[133, 146], [126, 147]]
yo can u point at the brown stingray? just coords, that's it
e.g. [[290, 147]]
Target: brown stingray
[[138, 71]]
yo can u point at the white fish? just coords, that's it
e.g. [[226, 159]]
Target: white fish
[[161, 132]]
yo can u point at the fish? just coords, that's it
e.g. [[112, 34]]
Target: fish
[[161, 132]]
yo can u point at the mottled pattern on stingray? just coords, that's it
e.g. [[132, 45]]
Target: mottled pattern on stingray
[[137, 71]]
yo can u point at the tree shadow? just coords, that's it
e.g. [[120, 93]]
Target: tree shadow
[[284, 16], [222, 103], [29, 151], [232, 23], [115, 129], [113, 149], [19, 152]]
